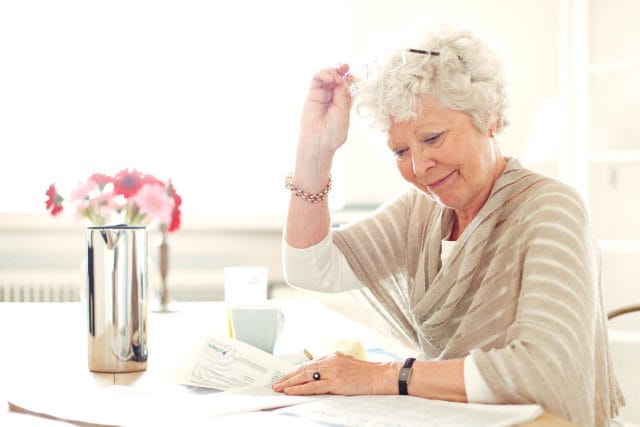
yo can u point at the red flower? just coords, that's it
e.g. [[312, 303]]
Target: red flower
[[101, 179], [175, 220], [128, 183], [175, 214], [54, 200], [129, 197]]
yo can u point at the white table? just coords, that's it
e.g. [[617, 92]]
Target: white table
[[45, 344]]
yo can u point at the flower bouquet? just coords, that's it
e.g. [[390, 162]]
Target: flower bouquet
[[129, 197]]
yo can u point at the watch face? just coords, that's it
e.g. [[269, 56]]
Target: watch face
[[403, 376]]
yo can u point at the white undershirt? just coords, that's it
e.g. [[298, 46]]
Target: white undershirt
[[322, 267]]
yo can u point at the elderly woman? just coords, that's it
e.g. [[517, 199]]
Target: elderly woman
[[492, 270]]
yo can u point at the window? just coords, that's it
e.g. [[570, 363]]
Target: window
[[204, 93]]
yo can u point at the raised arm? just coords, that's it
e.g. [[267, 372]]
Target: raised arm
[[323, 129]]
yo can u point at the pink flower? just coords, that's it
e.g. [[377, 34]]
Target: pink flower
[[101, 179], [83, 189], [154, 202], [128, 183], [106, 202], [129, 197]]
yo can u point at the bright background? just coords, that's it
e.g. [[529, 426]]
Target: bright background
[[208, 94]]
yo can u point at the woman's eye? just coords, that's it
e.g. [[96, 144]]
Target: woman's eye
[[433, 139], [399, 153]]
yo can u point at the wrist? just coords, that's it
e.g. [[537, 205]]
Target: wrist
[[315, 150], [387, 381], [312, 169], [311, 198]]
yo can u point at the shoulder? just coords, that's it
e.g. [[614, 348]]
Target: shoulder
[[555, 210], [541, 204], [554, 195], [546, 193]]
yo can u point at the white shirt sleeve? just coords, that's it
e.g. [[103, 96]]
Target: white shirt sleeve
[[476, 387], [321, 267]]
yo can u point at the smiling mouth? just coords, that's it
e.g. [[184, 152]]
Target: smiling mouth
[[440, 182]]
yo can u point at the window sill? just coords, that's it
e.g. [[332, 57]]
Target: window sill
[[194, 223]]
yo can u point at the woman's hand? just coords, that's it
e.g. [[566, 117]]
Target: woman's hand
[[325, 115], [340, 374]]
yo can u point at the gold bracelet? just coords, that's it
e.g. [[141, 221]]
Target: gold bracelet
[[311, 198]]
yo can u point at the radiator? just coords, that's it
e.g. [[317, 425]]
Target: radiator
[[39, 286], [19, 293], [29, 286]]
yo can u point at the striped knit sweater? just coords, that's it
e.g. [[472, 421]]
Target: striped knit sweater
[[520, 291]]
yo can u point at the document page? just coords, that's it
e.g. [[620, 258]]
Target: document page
[[244, 373], [407, 411], [224, 363], [131, 406], [221, 376]]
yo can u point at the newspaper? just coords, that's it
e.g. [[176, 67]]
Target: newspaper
[[224, 363], [409, 411], [229, 381], [221, 376]]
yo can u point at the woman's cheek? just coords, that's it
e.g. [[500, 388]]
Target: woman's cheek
[[406, 171]]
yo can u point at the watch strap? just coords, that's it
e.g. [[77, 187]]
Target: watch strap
[[403, 376]]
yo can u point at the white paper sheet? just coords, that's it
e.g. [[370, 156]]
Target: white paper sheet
[[408, 411], [243, 372], [224, 363], [131, 406], [246, 373]]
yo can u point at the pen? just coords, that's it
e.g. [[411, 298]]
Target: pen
[[307, 353]]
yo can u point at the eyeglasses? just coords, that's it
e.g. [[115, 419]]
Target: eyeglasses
[[372, 69]]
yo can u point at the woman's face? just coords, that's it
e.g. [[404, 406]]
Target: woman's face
[[446, 156]]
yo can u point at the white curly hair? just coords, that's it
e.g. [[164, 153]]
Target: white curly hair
[[464, 74]]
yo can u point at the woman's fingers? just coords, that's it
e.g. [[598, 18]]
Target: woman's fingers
[[326, 79], [329, 82], [290, 375], [302, 382], [334, 374], [302, 375], [313, 387], [343, 69], [334, 76], [328, 86]]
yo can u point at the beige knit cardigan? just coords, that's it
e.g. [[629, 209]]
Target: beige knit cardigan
[[520, 291]]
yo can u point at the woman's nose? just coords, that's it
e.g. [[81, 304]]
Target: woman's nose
[[422, 160]]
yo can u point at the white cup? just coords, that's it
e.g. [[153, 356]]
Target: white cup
[[257, 325]]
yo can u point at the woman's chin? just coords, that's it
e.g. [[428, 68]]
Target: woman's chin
[[444, 200]]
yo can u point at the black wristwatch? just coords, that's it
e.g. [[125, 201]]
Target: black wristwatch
[[403, 376]]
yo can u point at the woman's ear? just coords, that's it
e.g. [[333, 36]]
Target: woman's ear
[[493, 126]]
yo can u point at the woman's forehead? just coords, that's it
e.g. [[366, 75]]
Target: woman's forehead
[[430, 115]]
